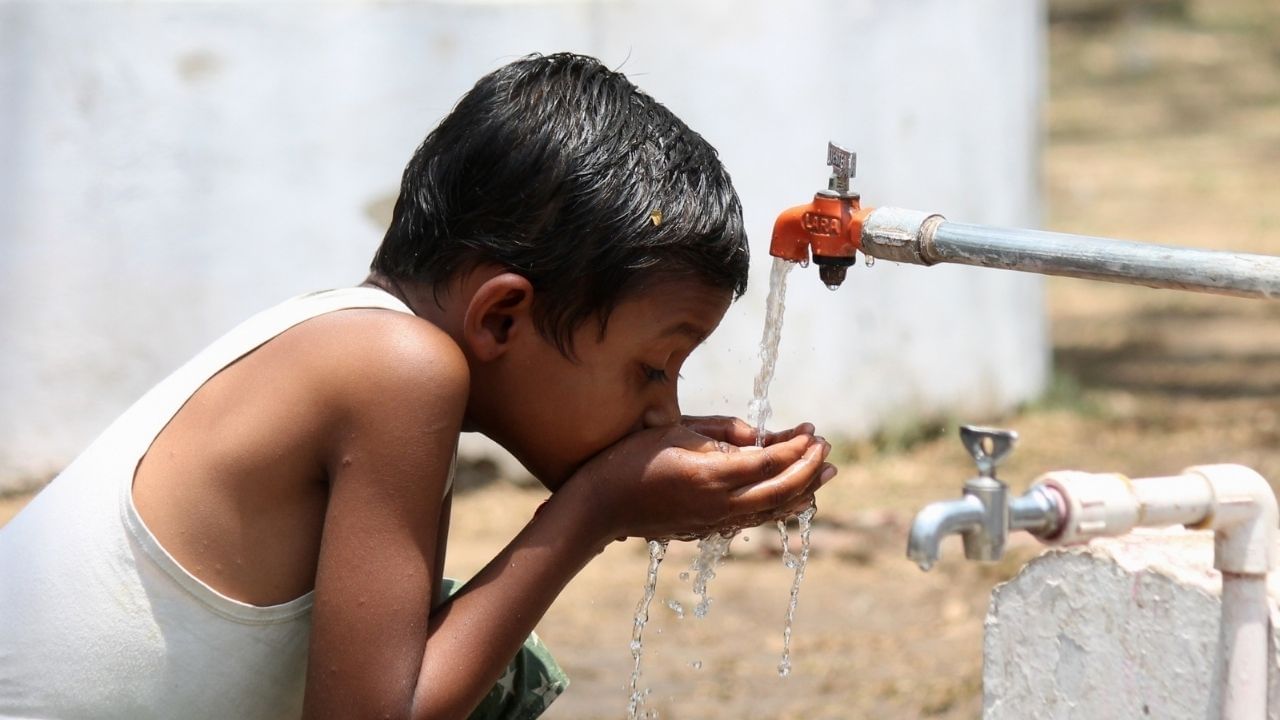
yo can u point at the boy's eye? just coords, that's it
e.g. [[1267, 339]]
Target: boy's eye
[[653, 374]]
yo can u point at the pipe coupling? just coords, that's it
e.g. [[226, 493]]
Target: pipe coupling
[[1243, 516], [1095, 505], [900, 235]]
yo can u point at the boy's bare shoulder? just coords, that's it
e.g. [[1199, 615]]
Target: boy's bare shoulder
[[397, 356]]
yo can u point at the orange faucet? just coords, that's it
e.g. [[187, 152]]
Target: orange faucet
[[830, 226]]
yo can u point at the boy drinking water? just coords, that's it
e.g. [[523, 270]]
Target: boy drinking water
[[262, 535]]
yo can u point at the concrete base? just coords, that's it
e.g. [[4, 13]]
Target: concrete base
[[1123, 628]]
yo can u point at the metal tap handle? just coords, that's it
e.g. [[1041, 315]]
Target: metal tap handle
[[844, 165], [988, 446]]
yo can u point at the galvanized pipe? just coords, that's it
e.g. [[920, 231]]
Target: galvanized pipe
[[927, 239]]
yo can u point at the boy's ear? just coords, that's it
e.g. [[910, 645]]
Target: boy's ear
[[501, 309]]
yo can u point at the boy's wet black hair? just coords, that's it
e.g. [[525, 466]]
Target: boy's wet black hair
[[563, 171]]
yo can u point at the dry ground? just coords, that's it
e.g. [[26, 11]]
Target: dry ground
[[1163, 126]]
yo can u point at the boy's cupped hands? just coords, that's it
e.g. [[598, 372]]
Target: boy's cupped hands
[[703, 475]]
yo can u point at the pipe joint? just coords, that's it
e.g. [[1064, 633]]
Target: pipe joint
[[1094, 505], [900, 235], [1232, 500], [1243, 516]]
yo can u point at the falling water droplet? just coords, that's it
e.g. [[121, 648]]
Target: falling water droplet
[[804, 263], [832, 287], [870, 261], [696, 664]]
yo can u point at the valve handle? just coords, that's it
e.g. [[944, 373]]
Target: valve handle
[[844, 165], [988, 446]]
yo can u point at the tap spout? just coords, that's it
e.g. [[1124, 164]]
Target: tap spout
[[936, 521]]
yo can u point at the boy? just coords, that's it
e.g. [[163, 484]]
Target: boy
[[263, 533]]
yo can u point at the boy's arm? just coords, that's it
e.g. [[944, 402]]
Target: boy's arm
[[399, 392], [377, 647], [474, 636]]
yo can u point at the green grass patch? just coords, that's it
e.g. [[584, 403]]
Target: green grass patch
[[1066, 394]]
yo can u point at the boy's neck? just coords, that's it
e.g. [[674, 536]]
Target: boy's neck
[[435, 308]]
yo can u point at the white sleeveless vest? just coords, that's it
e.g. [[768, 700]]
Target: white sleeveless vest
[[97, 620]]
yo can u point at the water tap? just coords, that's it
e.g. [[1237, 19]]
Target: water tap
[[829, 228], [984, 514]]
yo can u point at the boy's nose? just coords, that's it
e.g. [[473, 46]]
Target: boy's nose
[[663, 413]]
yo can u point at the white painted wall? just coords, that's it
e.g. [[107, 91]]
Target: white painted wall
[[1126, 628], [168, 168]]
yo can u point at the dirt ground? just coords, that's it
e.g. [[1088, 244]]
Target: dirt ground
[[1163, 125]]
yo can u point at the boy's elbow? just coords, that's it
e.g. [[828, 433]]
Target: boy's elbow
[[442, 704]]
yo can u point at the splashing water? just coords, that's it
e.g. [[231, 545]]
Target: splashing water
[[712, 550], [657, 551], [788, 557], [805, 520], [796, 563], [676, 608], [760, 410]]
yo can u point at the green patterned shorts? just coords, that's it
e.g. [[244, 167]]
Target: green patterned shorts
[[532, 680]]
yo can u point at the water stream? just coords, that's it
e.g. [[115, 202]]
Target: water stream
[[635, 705], [759, 411], [798, 563]]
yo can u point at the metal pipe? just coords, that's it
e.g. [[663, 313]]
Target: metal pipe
[[1038, 511], [926, 239]]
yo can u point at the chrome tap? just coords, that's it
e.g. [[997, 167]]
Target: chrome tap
[[983, 515]]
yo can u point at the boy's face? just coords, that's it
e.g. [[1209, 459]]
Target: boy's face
[[554, 414]]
